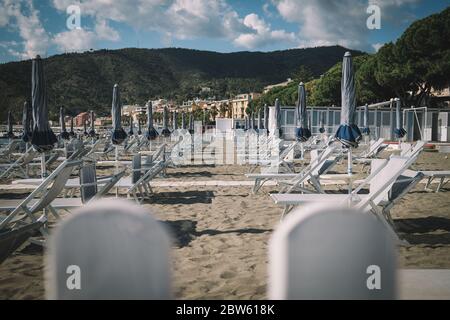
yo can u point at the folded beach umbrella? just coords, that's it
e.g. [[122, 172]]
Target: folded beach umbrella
[[10, 133], [348, 132], [43, 139], [165, 131], [302, 131], [322, 122], [278, 116], [64, 134], [118, 134], [191, 122], [366, 129], [92, 119], [26, 122], [260, 120], [139, 132], [85, 128], [175, 120], [71, 132], [151, 131], [183, 120], [131, 131], [266, 117], [399, 131]]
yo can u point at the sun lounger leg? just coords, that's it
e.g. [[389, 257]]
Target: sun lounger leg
[[441, 181]]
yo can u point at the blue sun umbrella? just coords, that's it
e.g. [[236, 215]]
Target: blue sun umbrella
[[26, 122], [64, 134], [348, 132], [302, 132], [43, 139], [399, 131], [151, 131], [118, 134]]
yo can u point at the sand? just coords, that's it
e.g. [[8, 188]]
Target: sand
[[221, 235]]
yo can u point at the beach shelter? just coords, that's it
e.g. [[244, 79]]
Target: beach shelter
[[302, 132], [92, 119], [399, 131], [71, 132], [151, 131], [165, 131], [183, 120], [26, 122], [175, 121], [322, 122], [348, 132], [42, 139], [118, 134], [10, 133], [64, 134], [366, 129], [266, 117]]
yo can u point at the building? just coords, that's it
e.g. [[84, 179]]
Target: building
[[282, 84], [81, 118], [240, 103]]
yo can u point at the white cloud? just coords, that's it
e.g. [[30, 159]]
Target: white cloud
[[75, 40], [105, 32], [262, 34], [35, 39]]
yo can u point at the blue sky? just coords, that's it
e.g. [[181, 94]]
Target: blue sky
[[31, 27]]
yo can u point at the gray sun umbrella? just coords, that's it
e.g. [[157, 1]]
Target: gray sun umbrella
[[165, 131], [139, 132], [348, 132], [278, 116], [43, 139], [151, 131], [399, 131], [175, 120], [302, 131], [322, 122], [118, 134], [71, 132], [92, 120], [365, 130], [266, 117], [183, 120], [26, 122], [10, 120], [191, 123], [64, 134], [260, 120]]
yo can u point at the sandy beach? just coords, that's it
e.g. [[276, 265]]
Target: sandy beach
[[221, 234]]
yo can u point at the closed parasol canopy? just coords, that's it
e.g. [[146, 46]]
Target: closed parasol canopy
[[399, 131], [43, 139], [348, 132], [165, 131], [27, 118], [10, 133], [151, 131], [118, 134], [92, 120], [64, 134], [302, 132]]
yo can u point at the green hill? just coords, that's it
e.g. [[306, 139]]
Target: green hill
[[84, 81]]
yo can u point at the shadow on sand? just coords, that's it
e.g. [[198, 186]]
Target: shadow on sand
[[185, 197], [428, 231], [184, 231]]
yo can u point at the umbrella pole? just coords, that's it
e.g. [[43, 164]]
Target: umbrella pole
[[117, 168], [302, 150], [349, 169], [43, 168]]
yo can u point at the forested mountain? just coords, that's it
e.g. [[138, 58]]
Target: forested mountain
[[84, 81]]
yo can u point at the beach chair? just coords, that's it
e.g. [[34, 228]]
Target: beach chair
[[321, 164], [13, 239], [442, 175], [387, 175], [331, 252], [9, 149], [20, 166], [121, 251]]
